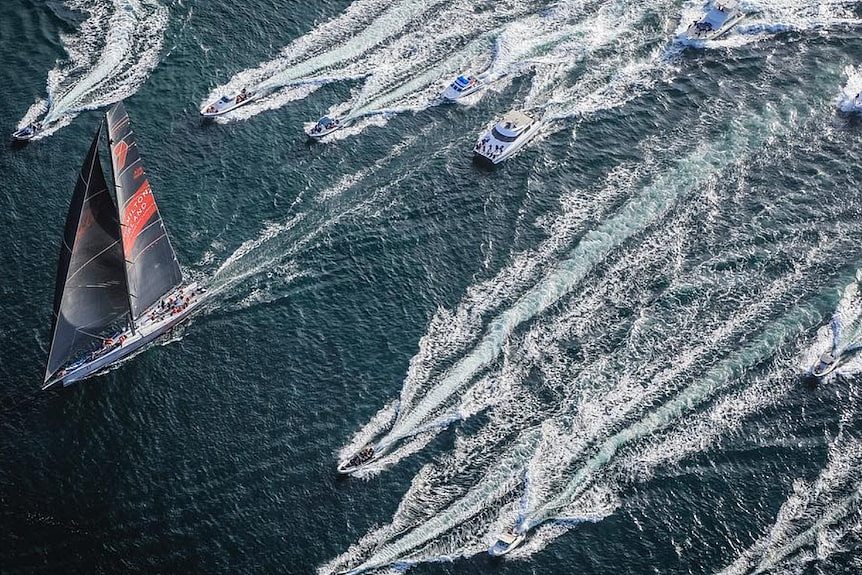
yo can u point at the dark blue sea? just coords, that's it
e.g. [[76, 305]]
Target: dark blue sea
[[602, 343]]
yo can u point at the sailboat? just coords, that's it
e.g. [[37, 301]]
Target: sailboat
[[119, 285]]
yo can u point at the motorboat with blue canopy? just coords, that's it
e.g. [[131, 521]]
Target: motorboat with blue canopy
[[461, 87], [324, 127]]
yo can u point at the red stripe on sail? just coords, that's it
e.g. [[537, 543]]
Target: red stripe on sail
[[120, 151], [139, 210]]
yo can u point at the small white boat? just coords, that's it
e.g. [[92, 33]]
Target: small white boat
[[28, 132], [505, 543], [721, 17], [324, 127], [356, 461], [228, 102], [507, 137], [461, 87], [826, 364]]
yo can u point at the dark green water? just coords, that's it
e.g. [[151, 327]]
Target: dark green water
[[679, 232]]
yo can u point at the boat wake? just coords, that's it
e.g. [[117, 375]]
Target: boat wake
[[765, 20], [443, 400], [842, 336], [109, 58], [850, 98], [818, 516]]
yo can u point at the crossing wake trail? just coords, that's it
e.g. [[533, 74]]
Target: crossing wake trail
[[111, 55]]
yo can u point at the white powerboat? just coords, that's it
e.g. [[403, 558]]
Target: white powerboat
[[721, 17], [324, 127], [28, 132], [356, 461], [507, 137], [826, 364], [229, 102], [505, 543], [461, 87]]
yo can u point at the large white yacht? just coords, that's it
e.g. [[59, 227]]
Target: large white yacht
[[229, 102], [461, 87], [507, 136], [721, 17]]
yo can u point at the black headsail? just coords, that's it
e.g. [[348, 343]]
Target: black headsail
[[151, 265], [90, 294]]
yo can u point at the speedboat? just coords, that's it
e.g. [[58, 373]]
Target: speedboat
[[359, 459], [228, 102], [505, 543], [462, 86], [721, 17], [324, 127], [825, 365], [507, 137], [26, 133]]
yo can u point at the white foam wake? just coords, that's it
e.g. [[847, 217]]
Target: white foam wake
[[109, 58]]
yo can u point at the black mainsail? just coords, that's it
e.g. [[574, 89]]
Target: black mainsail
[[91, 294], [152, 269]]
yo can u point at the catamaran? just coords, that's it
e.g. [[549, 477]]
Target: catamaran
[[119, 285], [507, 137], [229, 102]]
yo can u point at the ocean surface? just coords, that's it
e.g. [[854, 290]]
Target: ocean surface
[[599, 341]]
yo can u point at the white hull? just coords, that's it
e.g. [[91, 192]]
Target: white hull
[[322, 133], [452, 95], [823, 370], [228, 107], [511, 149], [506, 544], [692, 33], [146, 332], [24, 135]]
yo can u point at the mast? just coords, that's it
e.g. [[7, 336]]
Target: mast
[[152, 269], [119, 219], [90, 289]]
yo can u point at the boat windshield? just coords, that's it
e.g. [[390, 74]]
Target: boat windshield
[[503, 137], [224, 100]]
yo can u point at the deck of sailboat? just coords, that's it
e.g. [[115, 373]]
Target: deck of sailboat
[[147, 330]]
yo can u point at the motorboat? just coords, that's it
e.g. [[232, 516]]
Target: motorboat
[[461, 87], [826, 364], [506, 137], [324, 127], [28, 132], [718, 21], [356, 461], [505, 543], [229, 102]]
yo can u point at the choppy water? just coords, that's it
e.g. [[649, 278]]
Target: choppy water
[[598, 343]]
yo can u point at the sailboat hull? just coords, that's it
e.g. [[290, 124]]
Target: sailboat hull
[[145, 334]]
